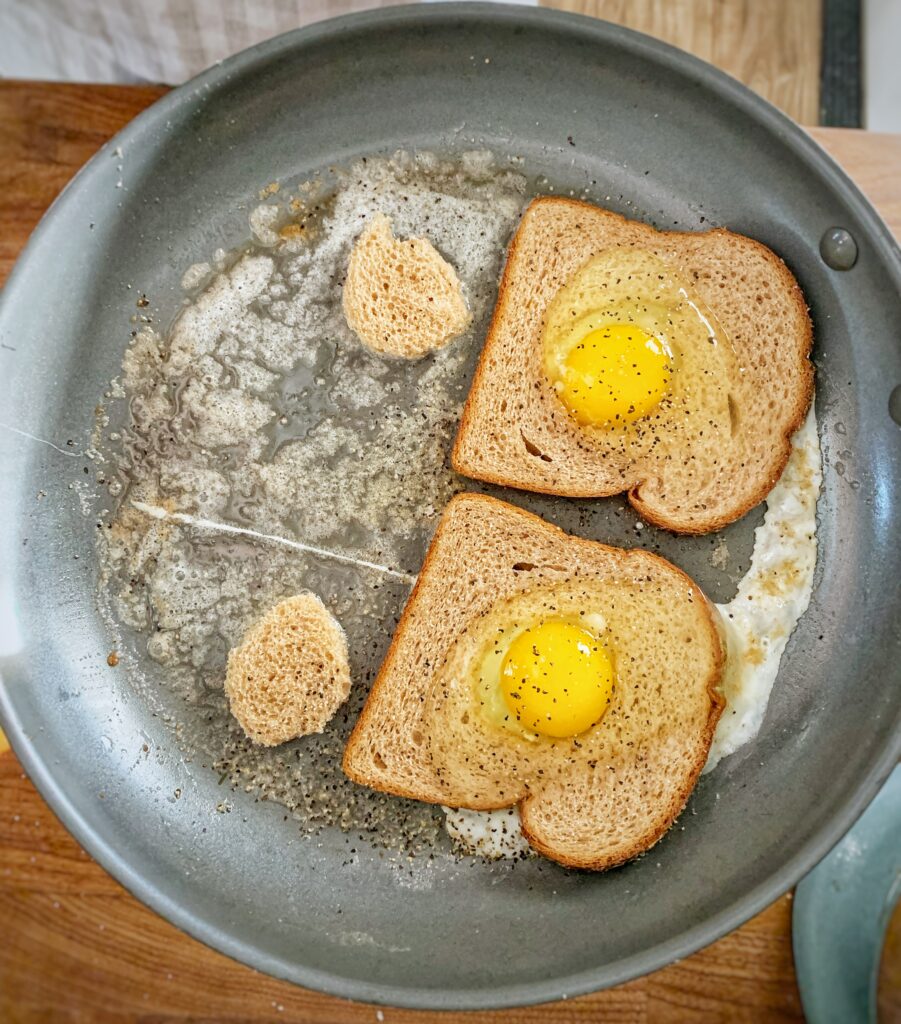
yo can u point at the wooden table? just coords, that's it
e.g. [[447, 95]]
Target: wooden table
[[78, 947]]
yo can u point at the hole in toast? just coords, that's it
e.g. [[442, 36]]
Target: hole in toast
[[417, 737], [379, 761], [733, 415], [533, 449]]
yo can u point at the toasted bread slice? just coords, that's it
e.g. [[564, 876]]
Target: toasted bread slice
[[516, 432], [401, 297], [592, 801], [290, 674]]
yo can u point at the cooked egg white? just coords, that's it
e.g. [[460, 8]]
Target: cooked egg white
[[757, 622], [490, 834], [772, 595]]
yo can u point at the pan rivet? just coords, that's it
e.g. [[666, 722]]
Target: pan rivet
[[894, 405], [838, 249]]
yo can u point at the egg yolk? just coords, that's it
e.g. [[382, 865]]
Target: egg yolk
[[557, 678], [617, 373]]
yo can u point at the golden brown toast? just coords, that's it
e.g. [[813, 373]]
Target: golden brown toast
[[592, 801], [516, 432]]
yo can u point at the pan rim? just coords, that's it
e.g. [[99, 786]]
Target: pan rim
[[100, 847]]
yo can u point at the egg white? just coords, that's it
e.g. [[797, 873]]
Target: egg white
[[772, 595], [771, 598], [490, 834]]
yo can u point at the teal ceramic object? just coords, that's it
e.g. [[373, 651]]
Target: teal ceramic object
[[842, 910]]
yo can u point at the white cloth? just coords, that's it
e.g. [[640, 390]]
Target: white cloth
[[144, 40]]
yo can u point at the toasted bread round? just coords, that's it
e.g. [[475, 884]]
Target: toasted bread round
[[290, 675], [401, 298], [593, 801], [516, 432]]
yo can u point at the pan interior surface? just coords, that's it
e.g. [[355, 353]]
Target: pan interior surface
[[586, 108]]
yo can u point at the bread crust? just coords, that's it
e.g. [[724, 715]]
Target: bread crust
[[468, 430], [355, 758], [366, 717]]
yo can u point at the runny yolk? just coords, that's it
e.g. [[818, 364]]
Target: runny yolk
[[614, 374], [557, 678]]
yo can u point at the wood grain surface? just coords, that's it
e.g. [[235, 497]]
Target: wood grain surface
[[77, 947], [770, 45]]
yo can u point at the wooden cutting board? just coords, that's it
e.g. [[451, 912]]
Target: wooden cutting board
[[76, 947]]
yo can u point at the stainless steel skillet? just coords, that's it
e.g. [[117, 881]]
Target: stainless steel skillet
[[667, 139]]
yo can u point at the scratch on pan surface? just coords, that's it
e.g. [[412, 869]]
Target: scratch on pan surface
[[156, 512], [40, 440]]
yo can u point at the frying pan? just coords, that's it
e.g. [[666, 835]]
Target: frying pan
[[666, 138]]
